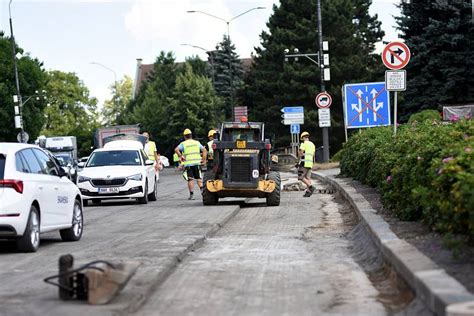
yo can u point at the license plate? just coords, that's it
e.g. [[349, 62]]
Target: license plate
[[108, 190], [241, 144]]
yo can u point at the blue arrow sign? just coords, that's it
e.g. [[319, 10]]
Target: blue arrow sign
[[295, 128], [293, 109], [366, 105]]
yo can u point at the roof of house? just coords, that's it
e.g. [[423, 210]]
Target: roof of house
[[145, 70]]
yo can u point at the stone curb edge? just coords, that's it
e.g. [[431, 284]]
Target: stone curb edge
[[430, 283], [167, 269]]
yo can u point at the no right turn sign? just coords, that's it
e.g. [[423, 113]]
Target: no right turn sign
[[396, 55]]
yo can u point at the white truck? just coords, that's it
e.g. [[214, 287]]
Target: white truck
[[64, 148], [105, 132]]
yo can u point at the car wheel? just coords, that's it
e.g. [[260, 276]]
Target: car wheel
[[74, 233], [30, 240], [153, 196], [144, 199]]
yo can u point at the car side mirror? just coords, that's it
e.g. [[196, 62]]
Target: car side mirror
[[62, 173], [81, 164], [149, 162]]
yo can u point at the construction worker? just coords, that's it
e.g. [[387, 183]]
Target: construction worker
[[210, 151], [152, 152], [176, 160], [189, 152], [306, 158]]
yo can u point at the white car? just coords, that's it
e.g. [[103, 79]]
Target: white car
[[82, 161], [164, 161], [36, 197], [119, 170]]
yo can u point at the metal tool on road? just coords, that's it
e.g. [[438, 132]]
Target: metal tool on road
[[98, 282]]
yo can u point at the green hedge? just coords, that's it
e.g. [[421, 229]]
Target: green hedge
[[426, 172]]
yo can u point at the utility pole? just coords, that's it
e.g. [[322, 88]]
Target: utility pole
[[20, 102], [323, 88]]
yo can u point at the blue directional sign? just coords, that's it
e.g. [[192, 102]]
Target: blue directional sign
[[293, 109], [366, 105], [295, 128]]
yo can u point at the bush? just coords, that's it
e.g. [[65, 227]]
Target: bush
[[426, 172], [425, 115]]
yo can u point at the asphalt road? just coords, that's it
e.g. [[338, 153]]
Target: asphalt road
[[294, 259]]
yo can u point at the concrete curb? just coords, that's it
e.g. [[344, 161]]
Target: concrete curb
[[430, 283], [152, 283]]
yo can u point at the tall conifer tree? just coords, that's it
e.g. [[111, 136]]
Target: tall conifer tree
[[440, 35], [228, 74]]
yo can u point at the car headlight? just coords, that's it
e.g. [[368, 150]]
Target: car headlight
[[136, 177], [81, 179]]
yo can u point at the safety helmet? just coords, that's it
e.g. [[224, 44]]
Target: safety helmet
[[211, 133], [304, 134], [187, 131]]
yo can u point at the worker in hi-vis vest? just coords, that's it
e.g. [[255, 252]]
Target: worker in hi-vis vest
[[176, 160], [189, 151], [152, 152], [306, 161], [210, 150]]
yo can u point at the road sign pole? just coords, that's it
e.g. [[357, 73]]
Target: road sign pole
[[320, 35], [344, 111], [395, 114]]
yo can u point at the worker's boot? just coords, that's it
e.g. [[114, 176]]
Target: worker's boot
[[191, 196]]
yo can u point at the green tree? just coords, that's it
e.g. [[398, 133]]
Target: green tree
[[273, 84], [71, 111], [150, 107], [32, 78], [115, 108], [228, 74], [199, 66], [193, 105], [440, 35]]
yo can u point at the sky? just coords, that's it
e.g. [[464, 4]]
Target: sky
[[77, 35]]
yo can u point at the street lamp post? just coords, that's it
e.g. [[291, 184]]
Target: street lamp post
[[115, 80], [211, 58], [228, 37], [323, 88], [17, 80], [320, 63], [38, 95], [224, 20]]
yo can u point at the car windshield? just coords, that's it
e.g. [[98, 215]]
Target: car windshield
[[2, 166], [114, 158], [64, 159]]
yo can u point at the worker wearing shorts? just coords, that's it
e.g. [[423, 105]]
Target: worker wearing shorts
[[189, 151]]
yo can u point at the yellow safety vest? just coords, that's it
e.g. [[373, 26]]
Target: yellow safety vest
[[309, 150], [192, 152], [151, 150], [210, 153], [175, 157]]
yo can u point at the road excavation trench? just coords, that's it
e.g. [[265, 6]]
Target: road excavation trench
[[309, 256]]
